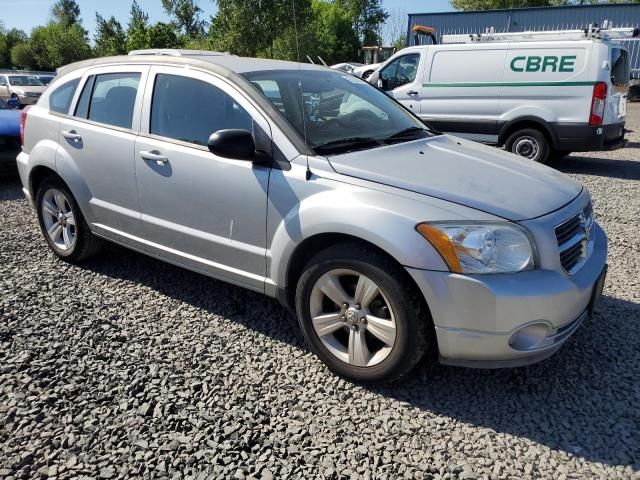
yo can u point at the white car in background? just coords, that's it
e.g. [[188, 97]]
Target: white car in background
[[365, 71], [348, 67]]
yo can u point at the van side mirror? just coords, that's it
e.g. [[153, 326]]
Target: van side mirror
[[383, 84], [233, 143]]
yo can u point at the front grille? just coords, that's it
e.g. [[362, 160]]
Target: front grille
[[573, 236]]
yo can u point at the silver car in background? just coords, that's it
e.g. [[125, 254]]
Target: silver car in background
[[389, 241]]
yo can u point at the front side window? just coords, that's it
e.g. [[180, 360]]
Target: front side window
[[190, 110], [60, 98], [112, 99], [337, 112], [3, 81], [400, 71]]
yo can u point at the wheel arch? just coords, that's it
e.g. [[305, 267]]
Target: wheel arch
[[529, 121], [306, 249]]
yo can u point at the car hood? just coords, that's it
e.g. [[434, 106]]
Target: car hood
[[29, 89], [9, 123], [464, 172]]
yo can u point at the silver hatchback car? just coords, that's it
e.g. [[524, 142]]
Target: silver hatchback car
[[389, 240]]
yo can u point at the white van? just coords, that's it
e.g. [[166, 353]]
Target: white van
[[539, 94]]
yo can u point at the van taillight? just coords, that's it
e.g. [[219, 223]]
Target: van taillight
[[23, 120], [598, 102]]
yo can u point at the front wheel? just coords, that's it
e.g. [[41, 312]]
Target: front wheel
[[529, 143], [361, 315]]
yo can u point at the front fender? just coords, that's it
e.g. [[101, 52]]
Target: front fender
[[299, 210]]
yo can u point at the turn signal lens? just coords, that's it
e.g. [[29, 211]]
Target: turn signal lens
[[442, 244]]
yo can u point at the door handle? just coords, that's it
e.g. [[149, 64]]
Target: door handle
[[72, 135], [412, 93], [154, 156]]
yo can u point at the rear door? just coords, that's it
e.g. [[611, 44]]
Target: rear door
[[97, 143], [198, 209], [401, 80], [616, 108]]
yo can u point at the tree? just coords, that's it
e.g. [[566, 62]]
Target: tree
[[22, 56], [110, 37], [368, 17], [162, 35], [137, 29], [335, 40], [66, 12], [395, 29], [54, 45], [186, 14], [260, 27]]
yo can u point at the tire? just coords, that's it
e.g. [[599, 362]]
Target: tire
[[529, 143], [367, 74], [382, 361], [560, 154], [82, 244]]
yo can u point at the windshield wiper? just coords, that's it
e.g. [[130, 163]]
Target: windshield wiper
[[411, 133], [348, 144]]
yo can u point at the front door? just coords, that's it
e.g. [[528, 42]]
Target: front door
[[199, 209], [401, 81]]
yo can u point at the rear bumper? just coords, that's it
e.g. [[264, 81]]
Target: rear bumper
[[585, 138], [485, 320]]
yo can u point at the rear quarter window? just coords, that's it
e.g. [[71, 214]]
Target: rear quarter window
[[60, 98]]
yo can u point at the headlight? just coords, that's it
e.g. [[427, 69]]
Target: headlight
[[481, 247]]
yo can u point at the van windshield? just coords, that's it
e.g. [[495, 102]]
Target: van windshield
[[341, 113], [620, 68]]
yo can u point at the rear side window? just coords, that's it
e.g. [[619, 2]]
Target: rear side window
[[110, 99], [191, 110], [60, 98], [620, 68]]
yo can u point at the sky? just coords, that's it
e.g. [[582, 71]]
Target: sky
[[26, 14]]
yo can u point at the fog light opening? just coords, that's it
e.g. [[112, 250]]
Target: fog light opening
[[531, 336]]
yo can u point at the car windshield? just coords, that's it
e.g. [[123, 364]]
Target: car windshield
[[341, 113], [45, 80], [24, 81]]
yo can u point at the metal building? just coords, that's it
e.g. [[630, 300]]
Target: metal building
[[535, 18]]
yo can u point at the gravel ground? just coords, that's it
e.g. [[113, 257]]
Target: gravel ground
[[127, 366]]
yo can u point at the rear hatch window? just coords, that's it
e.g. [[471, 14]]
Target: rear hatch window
[[620, 68]]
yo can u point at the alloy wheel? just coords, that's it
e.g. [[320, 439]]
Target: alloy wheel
[[59, 221], [352, 318]]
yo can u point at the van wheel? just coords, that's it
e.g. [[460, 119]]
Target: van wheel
[[62, 224], [529, 143], [560, 154], [361, 315]]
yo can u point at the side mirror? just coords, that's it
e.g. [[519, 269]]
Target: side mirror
[[383, 84], [233, 143], [13, 102]]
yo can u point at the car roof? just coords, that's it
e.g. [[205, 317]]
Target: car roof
[[211, 60]]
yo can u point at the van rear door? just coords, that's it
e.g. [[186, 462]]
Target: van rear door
[[616, 108]]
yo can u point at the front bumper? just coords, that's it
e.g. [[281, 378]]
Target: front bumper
[[477, 316]]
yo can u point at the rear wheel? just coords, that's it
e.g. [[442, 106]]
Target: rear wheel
[[361, 315], [529, 143], [62, 223]]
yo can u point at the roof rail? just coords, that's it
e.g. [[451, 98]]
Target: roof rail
[[593, 32], [176, 52]]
